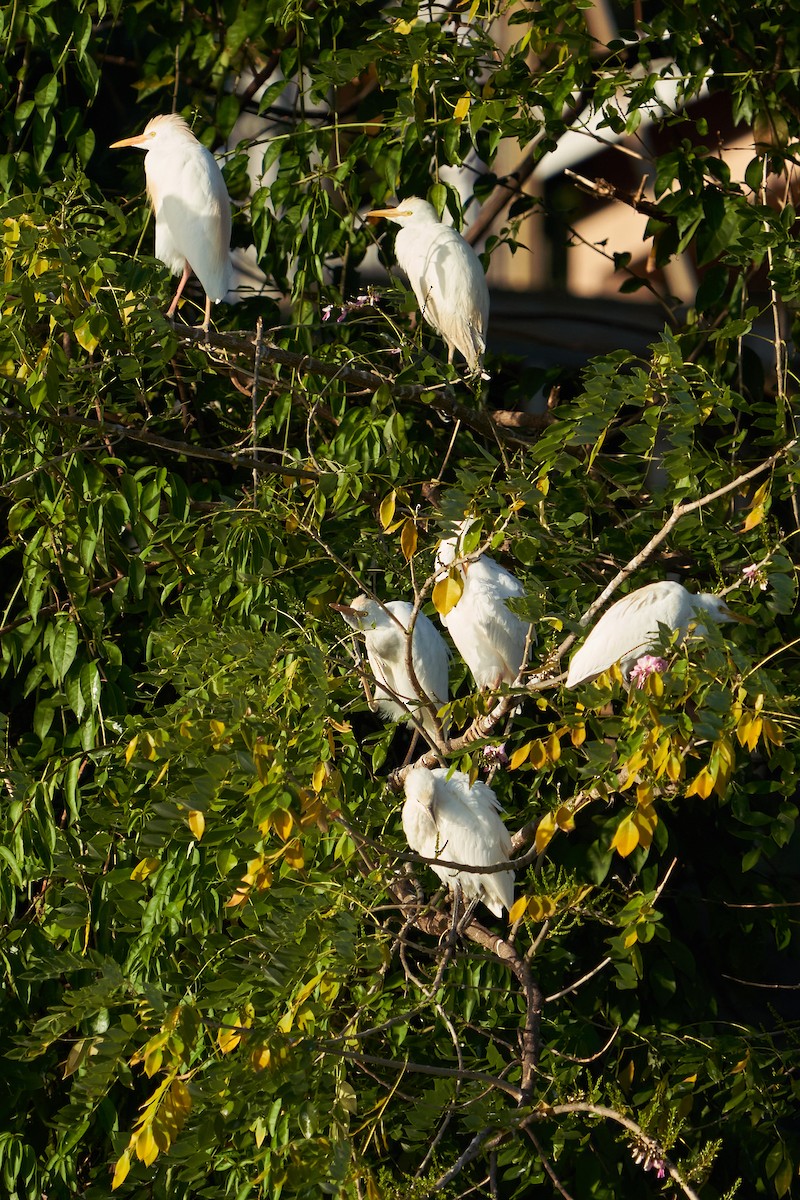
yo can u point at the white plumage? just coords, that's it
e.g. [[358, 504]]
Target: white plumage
[[446, 818], [488, 635], [630, 628], [385, 628], [446, 276], [191, 206]]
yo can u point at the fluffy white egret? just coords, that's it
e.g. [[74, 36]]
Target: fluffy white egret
[[446, 276], [630, 628], [191, 206], [488, 635], [449, 819], [385, 628]]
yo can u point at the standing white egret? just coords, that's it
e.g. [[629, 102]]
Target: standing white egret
[[385, 627], [488, 635], [630, 628], [444, 817], [446, 276], [191, 206]]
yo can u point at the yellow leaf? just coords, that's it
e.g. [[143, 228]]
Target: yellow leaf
[[403, 27], [519, 756], [772, 732], [626, 838], [564, 819], [83, 334], [319, 776], [145, 868], [644, 795], [553, 748], [630, 939], [228, 1039], [577, 734], [76, 1057], [259, 1059], [130, 750], [282, 822], [517, 909], [146, 1148], [293, 857], [538, 754], [545, 831], [674, 767], [447, 593], [743, 729], [462, 107], [541, 907], [386, 510], [414, 66], [153, 1061], [197, 824], [753, 518], [239, 897], [645, 823], [660, 757], [754, 733], [121, 1171], [408, 538], [702, 785]]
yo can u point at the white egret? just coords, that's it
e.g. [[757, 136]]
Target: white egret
[[444, 817], [630, 628], [446, 276], [385, 628], [488, 635], [191, 205]]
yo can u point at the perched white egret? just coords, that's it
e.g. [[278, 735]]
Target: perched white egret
[[446, 276], [449, 819], [385, 627], [191, 206], [488, 635], [630, 628]]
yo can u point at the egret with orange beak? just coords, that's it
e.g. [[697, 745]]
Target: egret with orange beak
[[446, 276], [191, 206], [630, 629]]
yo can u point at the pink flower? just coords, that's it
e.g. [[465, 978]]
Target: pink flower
[[646, 666], [754, 574], [326, 312], [496, 755]]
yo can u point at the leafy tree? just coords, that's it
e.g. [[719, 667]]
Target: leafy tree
[[223, 975]]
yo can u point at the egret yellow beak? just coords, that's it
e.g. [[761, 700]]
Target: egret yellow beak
[[377, 213], [346, 610], [139, 140], [741, 618]]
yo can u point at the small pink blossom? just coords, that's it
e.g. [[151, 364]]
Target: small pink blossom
[[646, 666], [496, 755], [326, 312], [754, 574]]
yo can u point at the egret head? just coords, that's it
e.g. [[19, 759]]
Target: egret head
[[411, 211], [420, 787], [716, 608], [158, 134], [361, 613], [453, 547]]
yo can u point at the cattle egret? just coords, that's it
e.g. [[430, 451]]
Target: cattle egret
[[191, 206], [630, 628], [489, 637], [447, 818], [384, 627], [446, 276]]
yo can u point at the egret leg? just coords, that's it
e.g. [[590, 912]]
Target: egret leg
[[411, 748], [466, 920], [187, 270], [207, 320]]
